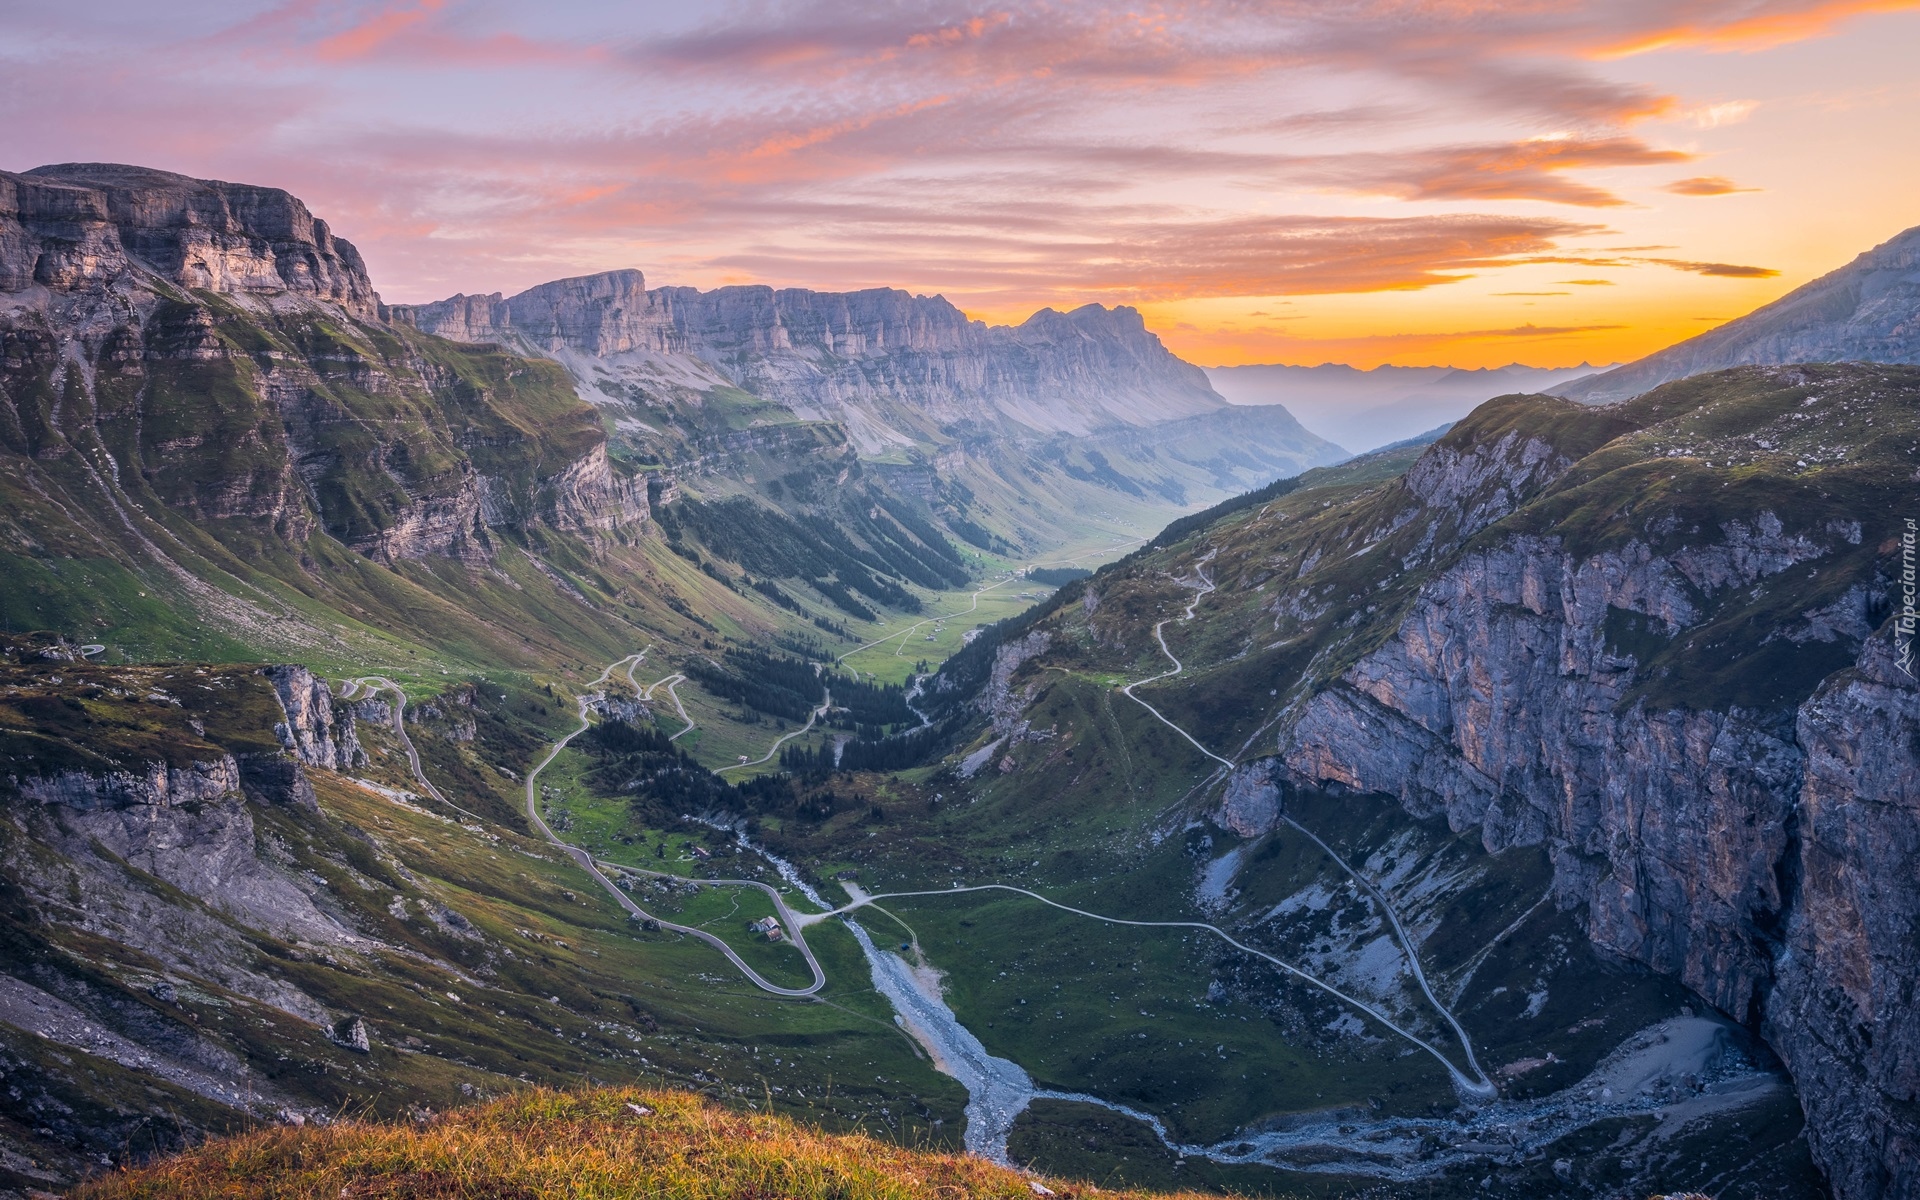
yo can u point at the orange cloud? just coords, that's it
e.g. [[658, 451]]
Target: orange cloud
[[1087, 255], [1529, 170], [1706, 185], [1779, 22]]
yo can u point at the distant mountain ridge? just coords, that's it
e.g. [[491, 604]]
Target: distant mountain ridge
[[1019, 432], [885, 363], [1867, 311]]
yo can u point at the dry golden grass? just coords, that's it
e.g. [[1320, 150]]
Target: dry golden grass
[[587, 1145]]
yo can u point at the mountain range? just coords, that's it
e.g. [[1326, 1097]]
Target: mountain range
[[403, 705], [887, 365]]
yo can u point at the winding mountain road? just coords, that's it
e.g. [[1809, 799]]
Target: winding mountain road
[[376, 684], [1205, 588], [1479, 1086], [796, 923], [673, 683], [791, 921], [825, 706], [590, 865]]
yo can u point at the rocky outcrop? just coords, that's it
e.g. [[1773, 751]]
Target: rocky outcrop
[[450, 526], [314, 732], [1250, 805], [1867, 311], [153, 785], [76, 224], [881, 361], [1001, 700], [587, 495]]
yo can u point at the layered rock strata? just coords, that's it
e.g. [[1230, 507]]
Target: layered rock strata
[[75, 225]]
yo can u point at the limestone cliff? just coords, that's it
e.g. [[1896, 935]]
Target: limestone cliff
[[315, 732], [1754, 841], [1765, 858], [187, 359], [77, 224]]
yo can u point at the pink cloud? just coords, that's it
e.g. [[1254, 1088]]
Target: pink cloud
[[382, 27], [1043, 148]]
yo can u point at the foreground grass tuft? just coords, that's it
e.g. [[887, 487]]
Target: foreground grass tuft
[[542, 1144]]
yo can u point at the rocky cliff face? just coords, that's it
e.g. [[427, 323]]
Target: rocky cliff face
[[1761, 852], [74, 225], [1763, 858], [1867, 311], [314, 732], [187, 359], [883, 362], [1841, 1009], [177, 800]]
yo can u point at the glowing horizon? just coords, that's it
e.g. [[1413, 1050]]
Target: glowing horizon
[[1394, 181]]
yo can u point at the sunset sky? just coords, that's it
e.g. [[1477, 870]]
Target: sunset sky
[[1458, 181]]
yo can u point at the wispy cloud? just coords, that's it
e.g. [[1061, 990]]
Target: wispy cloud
[[1534, 169], [1718, 269], [1752, 26], [376, 30], [1727, 112]]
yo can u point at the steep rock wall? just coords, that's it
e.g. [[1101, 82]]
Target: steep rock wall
[[188, 819], [1764, 858], [315, 732], [284, 403], [1844, 1012]]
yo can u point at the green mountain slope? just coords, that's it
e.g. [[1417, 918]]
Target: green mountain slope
[[1639, 650]]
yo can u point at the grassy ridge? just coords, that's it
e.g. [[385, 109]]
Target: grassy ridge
[[541, 1143]]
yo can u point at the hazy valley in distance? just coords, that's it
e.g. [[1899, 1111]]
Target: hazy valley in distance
[[1365, 410]]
